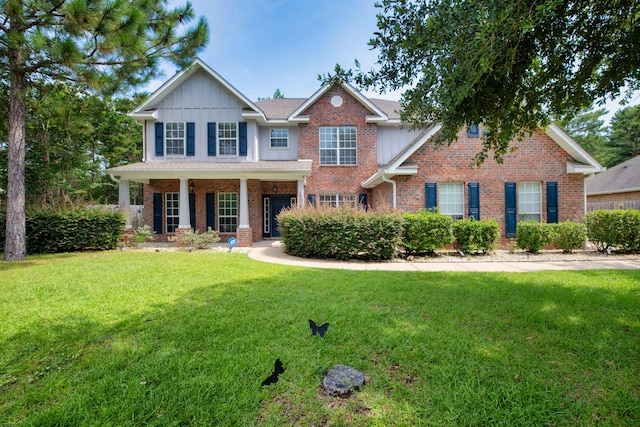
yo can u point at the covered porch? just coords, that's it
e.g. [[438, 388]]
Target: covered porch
[[236, 199]]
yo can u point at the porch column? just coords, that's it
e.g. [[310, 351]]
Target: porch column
[[244, 233], [300, 201], [185, 219], [123, 201]]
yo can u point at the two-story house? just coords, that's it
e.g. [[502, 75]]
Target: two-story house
[[213, 158]]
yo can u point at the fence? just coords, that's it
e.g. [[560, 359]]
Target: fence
[[612, 205], [136, 213]]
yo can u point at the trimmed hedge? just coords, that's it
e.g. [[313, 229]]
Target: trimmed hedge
[[426, 231], [49, 231], [614, 229], [473, 236], [532, 235], [343, 233], [568, 235]]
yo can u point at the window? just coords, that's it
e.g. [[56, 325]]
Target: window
[[335, 200], [175, 138], [172, 211], [338, 145], [473, 131], [228, 139], [452, 199], [279, 138], [529, 201], [227, 212]]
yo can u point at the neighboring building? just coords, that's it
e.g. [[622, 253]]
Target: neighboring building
[[213, 158], [615, 188]]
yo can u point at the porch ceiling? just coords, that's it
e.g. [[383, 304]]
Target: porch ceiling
[[265, 170]]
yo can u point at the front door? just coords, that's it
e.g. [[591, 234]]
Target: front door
[[273, 207]]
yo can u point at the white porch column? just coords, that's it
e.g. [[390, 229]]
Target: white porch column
[[184, 220], [123, 200], [301, 198], [244, 204]]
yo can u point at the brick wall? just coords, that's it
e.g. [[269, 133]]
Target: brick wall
[[338, 179], [537, 158]]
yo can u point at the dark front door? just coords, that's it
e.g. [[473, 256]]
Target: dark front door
[[277, 203]]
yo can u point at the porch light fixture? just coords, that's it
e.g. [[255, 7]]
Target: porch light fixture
[[192, 187], [275, 187]]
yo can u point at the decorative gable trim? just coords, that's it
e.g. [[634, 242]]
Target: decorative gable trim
[[376, 116], [142, 112], [584, 162]]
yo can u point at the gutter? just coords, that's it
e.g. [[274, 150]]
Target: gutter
[[393, 186]]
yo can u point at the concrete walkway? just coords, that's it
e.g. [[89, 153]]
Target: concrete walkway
[[271, 251]]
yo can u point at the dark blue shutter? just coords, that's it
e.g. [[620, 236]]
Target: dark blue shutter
[[312, 199], [431, 192], [362, 200], [242, 136], [552, 202], [191, 139], [157, 213], [211, 210], [474, 200], [159, 139], [211, 139], [192, 209], [473, 131], [510, 208]]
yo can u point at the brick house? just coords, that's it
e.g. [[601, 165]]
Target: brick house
[[213, 158]]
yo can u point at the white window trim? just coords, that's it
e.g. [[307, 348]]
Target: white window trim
[[219, 140], [338, 149], [528, 203], [166, 211], [441, 204], [184, 140], [335, 200], [221, 215], [286, 138]]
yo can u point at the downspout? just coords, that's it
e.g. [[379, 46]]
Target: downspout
[[114, 179], [393, 186]]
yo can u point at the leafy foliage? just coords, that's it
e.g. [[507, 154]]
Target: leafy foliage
[[568, 235], [614, 229], [472, 235], [624, 140], [507, 65], [342, 233], [532, 235], [195, 239], [426, 231]]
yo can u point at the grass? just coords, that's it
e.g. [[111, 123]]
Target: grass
[[177, 338]]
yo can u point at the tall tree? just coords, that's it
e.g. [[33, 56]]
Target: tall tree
[[104, 44], [624, 140], [510, 65], [588, 129]]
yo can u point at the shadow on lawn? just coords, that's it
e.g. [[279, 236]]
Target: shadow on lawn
[[453, 348]]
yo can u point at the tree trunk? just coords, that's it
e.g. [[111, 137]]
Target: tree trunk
[[15, 245]]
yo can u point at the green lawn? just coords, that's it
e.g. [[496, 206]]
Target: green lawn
[[178, 338]]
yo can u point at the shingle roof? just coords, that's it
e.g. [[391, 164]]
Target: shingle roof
[[282, 108], [625, 176]]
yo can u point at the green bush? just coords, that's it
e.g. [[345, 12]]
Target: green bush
[[51, 231], [568, 235], [532, 235], [195, 239], [426, 231], [616, 229], [473, 236], [343, 233]]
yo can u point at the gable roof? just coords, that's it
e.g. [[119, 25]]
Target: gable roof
[[618, 179], [145, 112]]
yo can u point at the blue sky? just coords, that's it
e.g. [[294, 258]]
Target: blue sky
[[262, 45]]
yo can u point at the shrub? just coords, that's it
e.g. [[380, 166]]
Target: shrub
[[532, 235], [614, 229], [195, 239], [472, 236], [568, 235], [50, 231], [426, 231], [342, 233]]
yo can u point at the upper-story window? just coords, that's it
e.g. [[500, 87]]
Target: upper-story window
[[335, 200], [338, 145], [175, 138], [228, 138], [279, 138]]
